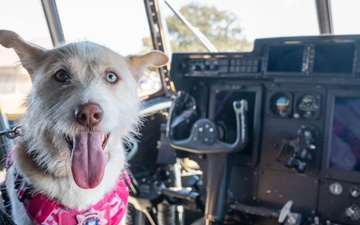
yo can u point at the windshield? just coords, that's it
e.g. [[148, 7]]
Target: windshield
[[29, 21], [234, 25], [229, 25]]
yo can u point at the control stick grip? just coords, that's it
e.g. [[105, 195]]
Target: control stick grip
[[204, 138]]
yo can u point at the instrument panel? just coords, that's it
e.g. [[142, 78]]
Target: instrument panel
[[300, 106], [281, 104], [297, 88], [308, 106]]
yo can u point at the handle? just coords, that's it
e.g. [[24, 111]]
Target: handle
[[203, 138], [216, 195]]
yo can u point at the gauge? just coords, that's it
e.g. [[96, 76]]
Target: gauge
[[281, 104], [335, 189], [308, 106]]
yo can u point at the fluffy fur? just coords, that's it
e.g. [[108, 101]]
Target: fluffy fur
[[43, 155]]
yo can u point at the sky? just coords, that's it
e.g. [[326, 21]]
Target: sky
[[121, 24]]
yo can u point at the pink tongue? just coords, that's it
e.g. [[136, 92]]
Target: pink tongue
[[87, 161]]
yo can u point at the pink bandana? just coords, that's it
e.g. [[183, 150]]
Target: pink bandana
[[42, 210]]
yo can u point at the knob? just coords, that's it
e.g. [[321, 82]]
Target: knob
[[354, 191], [353, 212]]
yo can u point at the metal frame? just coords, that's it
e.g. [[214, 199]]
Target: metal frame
[[194, 30], [53, 21], [158, 40], [323, 9]]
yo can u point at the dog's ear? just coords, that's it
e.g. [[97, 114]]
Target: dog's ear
[[138, 63], [28, 53]]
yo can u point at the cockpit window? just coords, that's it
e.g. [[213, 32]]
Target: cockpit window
[[345, 16], [26, 17], [234, 25], [120, 26], [108, 22]]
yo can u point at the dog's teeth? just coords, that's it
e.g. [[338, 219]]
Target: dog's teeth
[[69, 141], [105, 139]]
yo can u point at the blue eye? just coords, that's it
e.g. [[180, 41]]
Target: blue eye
[[111, 77]]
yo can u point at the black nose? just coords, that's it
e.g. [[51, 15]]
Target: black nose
[[89, 115]]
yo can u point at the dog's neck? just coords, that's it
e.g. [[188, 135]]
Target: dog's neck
[[36, 161], [31, 158]]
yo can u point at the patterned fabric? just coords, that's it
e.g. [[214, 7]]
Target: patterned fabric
[[44, 211], [5, 219]]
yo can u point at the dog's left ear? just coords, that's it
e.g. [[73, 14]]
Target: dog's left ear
[[28, 53], [138, 63]]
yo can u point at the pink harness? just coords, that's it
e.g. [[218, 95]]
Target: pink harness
[[42, 210]]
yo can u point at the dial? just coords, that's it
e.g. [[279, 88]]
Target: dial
[[354, 191], [281, 104], [308, 106], [353, 212], [336, 189]]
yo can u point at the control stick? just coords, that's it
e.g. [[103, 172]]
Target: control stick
[[302, 145], [204, 139]]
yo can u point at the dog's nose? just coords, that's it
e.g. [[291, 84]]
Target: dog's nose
[[89, 115]]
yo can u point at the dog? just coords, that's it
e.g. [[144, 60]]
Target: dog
[[69, 165]]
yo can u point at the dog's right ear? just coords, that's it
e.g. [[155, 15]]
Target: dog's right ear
[[28, 53]]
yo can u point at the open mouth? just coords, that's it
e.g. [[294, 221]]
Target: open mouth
[[70, 141], [88, 161]]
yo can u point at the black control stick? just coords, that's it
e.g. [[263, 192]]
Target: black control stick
[[302, 145], [204, 139]]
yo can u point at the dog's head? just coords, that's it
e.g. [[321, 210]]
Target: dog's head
[[83, 103]]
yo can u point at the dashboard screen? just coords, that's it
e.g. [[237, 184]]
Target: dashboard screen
[[345, 134], [285, 58], [334, 58]]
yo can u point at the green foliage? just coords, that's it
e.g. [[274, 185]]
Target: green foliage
[[222, 28]]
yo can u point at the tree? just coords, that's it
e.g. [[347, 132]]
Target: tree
[[220, 27]]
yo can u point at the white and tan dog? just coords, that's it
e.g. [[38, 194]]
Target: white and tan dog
[[68, 166]]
